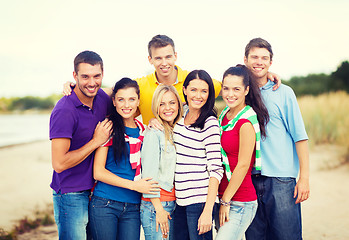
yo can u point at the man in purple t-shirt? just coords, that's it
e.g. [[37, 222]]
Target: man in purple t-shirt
[[78, 127]]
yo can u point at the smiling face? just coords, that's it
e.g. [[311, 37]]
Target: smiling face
[[126, 101], [234, 92], [88, 80], [197, 93], [258, 61], [169, 107], [163, 59]]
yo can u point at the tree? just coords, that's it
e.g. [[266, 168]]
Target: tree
[[341, 77], [313, 84], [30, 102]]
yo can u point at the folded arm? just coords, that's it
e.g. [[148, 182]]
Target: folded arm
[[63, 159]]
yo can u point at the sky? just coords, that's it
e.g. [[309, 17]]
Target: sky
[[40, 38]]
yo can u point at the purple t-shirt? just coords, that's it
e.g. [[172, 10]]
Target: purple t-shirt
[[72, 119]]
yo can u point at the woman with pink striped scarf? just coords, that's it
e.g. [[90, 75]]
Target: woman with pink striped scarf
[[115, 204]]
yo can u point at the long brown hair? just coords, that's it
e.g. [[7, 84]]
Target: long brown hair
[[254, 97]]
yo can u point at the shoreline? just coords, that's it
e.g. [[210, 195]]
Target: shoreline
[[21, 143]]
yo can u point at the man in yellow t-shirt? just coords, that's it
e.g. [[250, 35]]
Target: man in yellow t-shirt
[[162, 56]]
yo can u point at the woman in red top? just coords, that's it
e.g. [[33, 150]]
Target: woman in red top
[[242, 123]]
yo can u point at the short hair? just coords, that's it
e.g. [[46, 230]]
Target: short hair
[[208, 109], [89, 57], [259, 43], [160, 41]]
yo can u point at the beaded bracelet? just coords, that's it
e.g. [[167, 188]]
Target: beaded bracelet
[[224, 203]]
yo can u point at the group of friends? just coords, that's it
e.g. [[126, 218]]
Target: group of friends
[[180, 167]]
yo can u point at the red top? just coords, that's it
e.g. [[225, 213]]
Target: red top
[[164, 196], [230, 143]]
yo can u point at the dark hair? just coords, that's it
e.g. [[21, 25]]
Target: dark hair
[[254, 97], [160, 41], [119, 144], [89, 57], [259, 43], [208, 109]]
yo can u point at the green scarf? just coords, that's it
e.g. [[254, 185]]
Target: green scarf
[[249, 114]]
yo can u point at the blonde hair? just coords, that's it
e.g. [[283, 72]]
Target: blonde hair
[[155, 106]]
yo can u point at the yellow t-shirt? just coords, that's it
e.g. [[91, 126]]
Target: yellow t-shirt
[[148, 84]]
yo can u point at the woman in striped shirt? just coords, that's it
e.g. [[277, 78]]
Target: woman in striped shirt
[[198, 167]]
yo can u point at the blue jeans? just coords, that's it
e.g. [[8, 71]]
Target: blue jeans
[[186, 222], [114, 220], [71, 214], [148, 219], [241, 215], [277, 217]]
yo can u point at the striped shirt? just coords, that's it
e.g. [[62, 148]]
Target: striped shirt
[[198, 159]]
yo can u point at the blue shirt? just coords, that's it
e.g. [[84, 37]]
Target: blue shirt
[[72, 119], [284, 129], [122, 169]]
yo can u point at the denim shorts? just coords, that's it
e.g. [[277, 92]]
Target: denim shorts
[[71, 214], [114, 220], [277, 217], [148, 220], [241, 215]]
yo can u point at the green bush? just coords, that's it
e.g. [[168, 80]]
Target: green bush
[[316, 84], [27, 103]]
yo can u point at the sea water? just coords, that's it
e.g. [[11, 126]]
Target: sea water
[[23, 128]]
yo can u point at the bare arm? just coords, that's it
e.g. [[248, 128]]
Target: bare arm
[[247, 141], [302, 188], [68, 88], [63, 159], [162, 217], [276, 79], [154, 123], [100, 173], [108, 91]]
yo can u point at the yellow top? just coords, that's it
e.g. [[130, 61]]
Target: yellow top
[[149, 83]]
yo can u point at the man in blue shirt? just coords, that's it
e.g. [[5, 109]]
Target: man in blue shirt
[[284, 153]]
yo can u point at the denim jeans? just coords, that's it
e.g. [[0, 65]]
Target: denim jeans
[[241, 215], [277, 217], [186, 222], [148, 219], [71, 214], [114, 220]]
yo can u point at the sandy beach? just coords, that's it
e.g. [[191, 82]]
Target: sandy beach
[[26, 174]]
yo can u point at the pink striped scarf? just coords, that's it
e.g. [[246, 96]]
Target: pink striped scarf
[[135, 149]]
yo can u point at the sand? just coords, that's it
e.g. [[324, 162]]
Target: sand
[[26, 174]]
